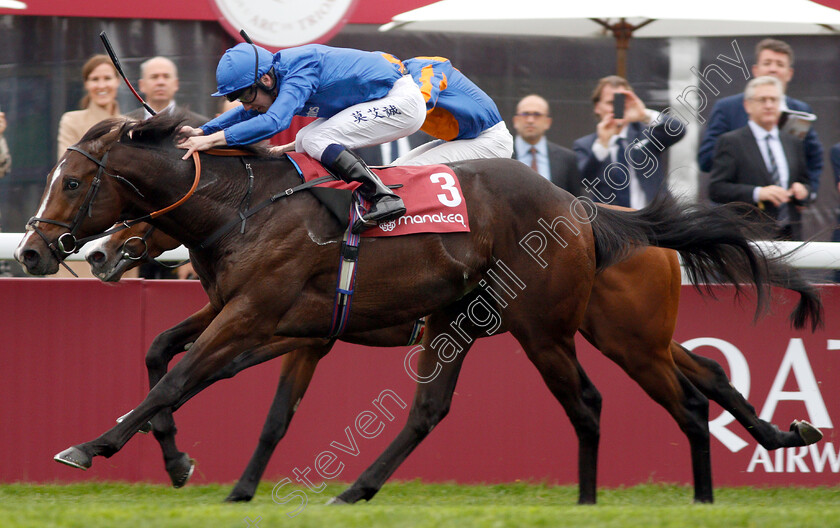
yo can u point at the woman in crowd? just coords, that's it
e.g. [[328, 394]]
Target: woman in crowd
[[100, 102]]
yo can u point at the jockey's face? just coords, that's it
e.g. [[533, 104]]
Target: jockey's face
[[264, 99]]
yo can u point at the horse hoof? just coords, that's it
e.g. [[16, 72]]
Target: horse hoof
[[807, 432], [146, 428], [180, 470], [74, 457], [337, 501], [238, 496]]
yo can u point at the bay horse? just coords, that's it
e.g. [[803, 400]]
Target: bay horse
[[277, 276], [629, 318]]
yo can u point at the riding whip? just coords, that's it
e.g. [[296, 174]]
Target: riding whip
[[116, 61]]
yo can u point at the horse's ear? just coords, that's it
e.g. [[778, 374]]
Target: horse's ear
[[117, 131]]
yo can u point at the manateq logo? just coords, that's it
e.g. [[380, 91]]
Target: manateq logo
[[284, 23]]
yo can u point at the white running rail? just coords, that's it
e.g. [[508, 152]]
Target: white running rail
[[813, 255]]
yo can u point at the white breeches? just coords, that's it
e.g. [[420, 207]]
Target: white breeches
[[398, 114], [495, 142]]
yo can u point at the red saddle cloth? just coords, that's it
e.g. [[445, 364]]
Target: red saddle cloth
[[432, 194]]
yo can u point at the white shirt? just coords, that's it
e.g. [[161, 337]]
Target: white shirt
[[169, 108], [523, 154], [778, 154], [638, 200]]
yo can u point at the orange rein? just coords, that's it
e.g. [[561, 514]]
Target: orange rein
[[212, 152], [189, 193]]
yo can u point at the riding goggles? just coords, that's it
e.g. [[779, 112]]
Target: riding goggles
[[245, 95]]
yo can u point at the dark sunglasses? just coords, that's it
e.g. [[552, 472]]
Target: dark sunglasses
[[245, 95]]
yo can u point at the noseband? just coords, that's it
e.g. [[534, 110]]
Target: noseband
[[66, 243], [127, 254]]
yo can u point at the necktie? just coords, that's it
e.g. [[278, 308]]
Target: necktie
[[533, 152], [622, 195], [784, 216], [773, 168]]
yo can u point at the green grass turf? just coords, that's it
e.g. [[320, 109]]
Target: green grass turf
[[413, 504]]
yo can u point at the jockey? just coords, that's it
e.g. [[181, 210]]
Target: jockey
[[463, 118], [360, 98]]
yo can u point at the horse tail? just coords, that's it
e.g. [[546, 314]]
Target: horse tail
[[714, 243], [809, 309]]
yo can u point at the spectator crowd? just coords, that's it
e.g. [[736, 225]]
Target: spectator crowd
[[759, 146]]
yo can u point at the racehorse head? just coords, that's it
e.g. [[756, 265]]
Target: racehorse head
[[68, 210], [111, 256], [86, 191]]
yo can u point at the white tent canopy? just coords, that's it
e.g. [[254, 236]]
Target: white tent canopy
[[12, 4], [654, 18]]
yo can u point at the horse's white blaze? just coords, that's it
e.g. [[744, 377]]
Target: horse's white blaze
[[55, 179]]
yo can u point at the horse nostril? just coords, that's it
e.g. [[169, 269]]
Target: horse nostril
[[31, 258], [96, 257]]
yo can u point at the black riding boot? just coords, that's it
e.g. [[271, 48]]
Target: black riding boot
[[385, 205]]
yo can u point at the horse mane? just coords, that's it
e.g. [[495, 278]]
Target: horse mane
[[161, 130]]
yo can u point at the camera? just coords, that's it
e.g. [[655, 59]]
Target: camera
[[618, 106]]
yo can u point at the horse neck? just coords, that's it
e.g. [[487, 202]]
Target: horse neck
[[216, 201]]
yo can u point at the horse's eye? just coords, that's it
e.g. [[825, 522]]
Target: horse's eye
[[71, 184]]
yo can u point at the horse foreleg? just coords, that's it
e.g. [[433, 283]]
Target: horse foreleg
[[298, 369], [167, 345], [565, 378], [432, 399], [234, 329], [708, 376]]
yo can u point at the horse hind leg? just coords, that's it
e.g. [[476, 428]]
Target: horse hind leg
[[565, 378], [651, 367], [708, 376]]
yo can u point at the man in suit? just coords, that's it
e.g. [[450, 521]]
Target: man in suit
[[159, 84], [553, 162], [758, 164], [621, 162], [773, 58]]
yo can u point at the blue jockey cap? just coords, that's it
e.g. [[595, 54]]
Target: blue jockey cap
[[236, 68]]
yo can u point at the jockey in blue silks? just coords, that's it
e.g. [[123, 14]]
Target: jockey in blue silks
[[359, 98]]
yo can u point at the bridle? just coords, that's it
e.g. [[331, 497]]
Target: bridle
[[67, 243], [127, 254]]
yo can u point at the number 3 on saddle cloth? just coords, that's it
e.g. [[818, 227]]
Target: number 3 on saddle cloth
[[431, 193], [434, 204]]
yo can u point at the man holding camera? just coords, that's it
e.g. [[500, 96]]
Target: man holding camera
[[620, 163]]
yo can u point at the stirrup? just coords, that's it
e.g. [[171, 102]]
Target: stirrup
[[360, 224]]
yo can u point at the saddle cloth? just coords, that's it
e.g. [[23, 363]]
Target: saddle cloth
[[432, 194]]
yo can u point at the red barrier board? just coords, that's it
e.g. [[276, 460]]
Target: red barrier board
[[73, 354]]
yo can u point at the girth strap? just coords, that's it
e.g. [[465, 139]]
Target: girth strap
[[348, 258]]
